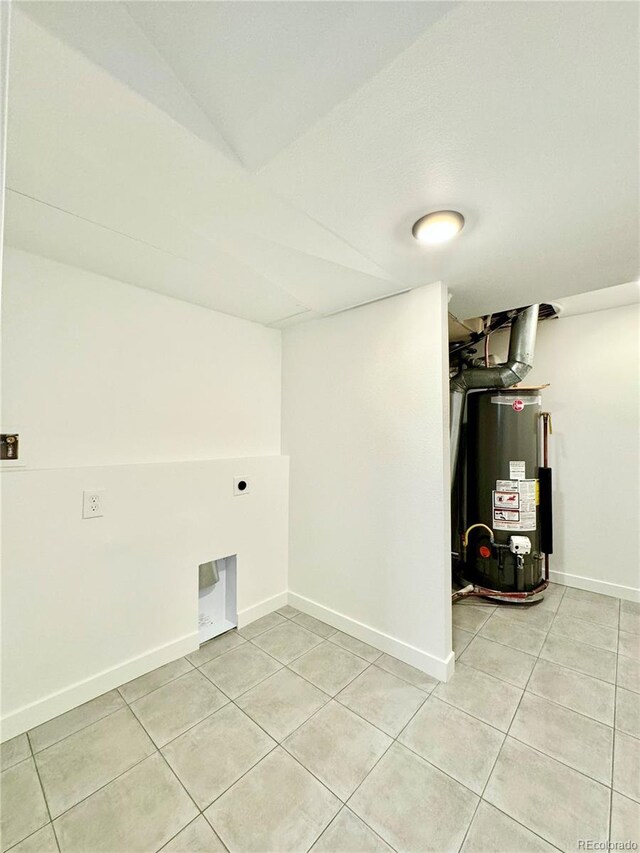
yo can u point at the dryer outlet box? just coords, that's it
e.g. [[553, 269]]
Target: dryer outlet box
[[240, 486]]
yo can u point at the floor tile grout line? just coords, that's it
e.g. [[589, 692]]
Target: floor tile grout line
[[591, 621], [468, 713], [436, 766], [505, 645], [192, 726], [279, 742], [85, 728], [249, 624], [613, 745], [102, 787], [624, 731], [565, 636], [306, 769], [330, 695], [636, 637], [353, 711], [352, 795], [515, 714], [317, 778], [235, 781], [233, 701], [296, 618], [588, 621], [362, 672], [276, 744], [578, 671], [557, 704], [309, 770], [560, 761], [507, 734], [212, 658], [81, 729], [182, 785], [126, 770], [257, 684], [156, 689], [199, 815], [320, 640], [538, 657], [503, 680], [375, 832], [515, 820], [31, 835], [629, 689], [315, 648], [331, 640], [357, 817], [336, 631], [573, 669], [153, 689], [562, 666], [583, 619], [394, 740], [481, 798], [157, 751], [44, 793]]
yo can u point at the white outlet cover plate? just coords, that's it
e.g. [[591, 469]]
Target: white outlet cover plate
[[236, 486], [93, 503]]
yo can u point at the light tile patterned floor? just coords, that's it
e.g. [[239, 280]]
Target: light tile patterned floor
[[290, 736]]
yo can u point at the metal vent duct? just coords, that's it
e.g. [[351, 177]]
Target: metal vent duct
[[519, 362]]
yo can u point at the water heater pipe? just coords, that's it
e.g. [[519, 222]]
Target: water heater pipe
[[547, 428], [519, 362]]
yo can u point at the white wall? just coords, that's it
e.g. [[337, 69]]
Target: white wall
[[102, 379], [592, 362], [365, 423], [99, 372]]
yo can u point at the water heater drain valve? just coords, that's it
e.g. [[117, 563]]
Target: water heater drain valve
[[520, 545]]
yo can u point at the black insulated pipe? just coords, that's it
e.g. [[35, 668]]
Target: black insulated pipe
[[546, 511]]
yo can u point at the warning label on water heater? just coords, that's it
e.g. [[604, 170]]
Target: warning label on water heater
[[514, 505], [506, 500], [517, 470]]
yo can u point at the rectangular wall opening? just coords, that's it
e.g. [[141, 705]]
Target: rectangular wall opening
[[217, 597]]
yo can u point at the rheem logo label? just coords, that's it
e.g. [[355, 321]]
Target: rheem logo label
[[517, 405]]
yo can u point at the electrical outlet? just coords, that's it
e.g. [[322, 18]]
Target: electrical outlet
[[240, 486], [92, 504]]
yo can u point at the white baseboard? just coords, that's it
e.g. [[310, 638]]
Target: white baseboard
[[439, 668], [261, 609], [54, 704], [629, 593]]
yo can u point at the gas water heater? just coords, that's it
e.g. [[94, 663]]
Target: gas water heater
[[502, 473], [501, 485]]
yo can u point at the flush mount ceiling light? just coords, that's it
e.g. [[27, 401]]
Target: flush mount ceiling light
[[438, 227]]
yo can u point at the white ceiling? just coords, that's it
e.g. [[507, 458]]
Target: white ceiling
[[268, 159], [618, 296]]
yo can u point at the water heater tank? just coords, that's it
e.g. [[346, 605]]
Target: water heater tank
[[502, 488]]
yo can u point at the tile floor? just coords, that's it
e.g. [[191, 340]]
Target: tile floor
[[290, 736]]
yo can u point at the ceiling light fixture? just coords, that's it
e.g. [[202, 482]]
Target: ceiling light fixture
[[438, 227]]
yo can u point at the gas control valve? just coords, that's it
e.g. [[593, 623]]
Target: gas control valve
[[520, 545]]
